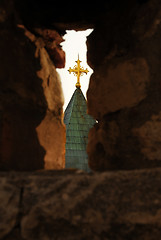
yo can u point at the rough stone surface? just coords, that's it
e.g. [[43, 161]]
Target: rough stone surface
[[52, 137], [102, 139], [52, 41], [150, 137], [124, 96], [125, 87], [9, 210], [31, 99], [117, 86], [75, 205]]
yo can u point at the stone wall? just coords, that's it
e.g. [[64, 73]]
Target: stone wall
[[32, 133], [124, 93], [124, 96], [75, 205]]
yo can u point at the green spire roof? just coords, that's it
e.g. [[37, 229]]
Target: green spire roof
[[78, 123]]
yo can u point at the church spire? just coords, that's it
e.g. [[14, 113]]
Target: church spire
[[78, 71]]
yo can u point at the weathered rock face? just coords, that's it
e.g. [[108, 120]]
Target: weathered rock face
[[124, 96], [124, 93], [52, 41], [65, 205], [31, 100]]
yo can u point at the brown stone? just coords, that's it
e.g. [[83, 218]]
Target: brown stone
[[31, 101], [124, 91], [20, 148], [51, 134], [52, 40], [76, 205], [9, 210], [149, 136], [125, 88], [117, 86], [124, 95], [99, 144]]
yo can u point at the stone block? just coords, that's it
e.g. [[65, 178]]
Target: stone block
[[31, 98], [125, 87], [9, 206], [75, 205]]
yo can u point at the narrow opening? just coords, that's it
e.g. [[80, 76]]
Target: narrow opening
[[74, 44], [75, 80]]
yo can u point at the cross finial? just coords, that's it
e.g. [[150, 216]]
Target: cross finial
[[78, 71]]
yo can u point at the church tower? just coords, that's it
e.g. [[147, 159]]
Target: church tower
[[78, 124]]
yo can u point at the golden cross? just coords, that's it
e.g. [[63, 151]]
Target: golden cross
[[78, 71]]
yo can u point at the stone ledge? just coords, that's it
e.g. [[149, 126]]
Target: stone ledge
[[75, 205]]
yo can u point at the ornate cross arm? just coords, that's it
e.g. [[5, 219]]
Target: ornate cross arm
[[72, 70], [78, 71]]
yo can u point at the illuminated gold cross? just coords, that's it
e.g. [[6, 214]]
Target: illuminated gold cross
[[78, 71]]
